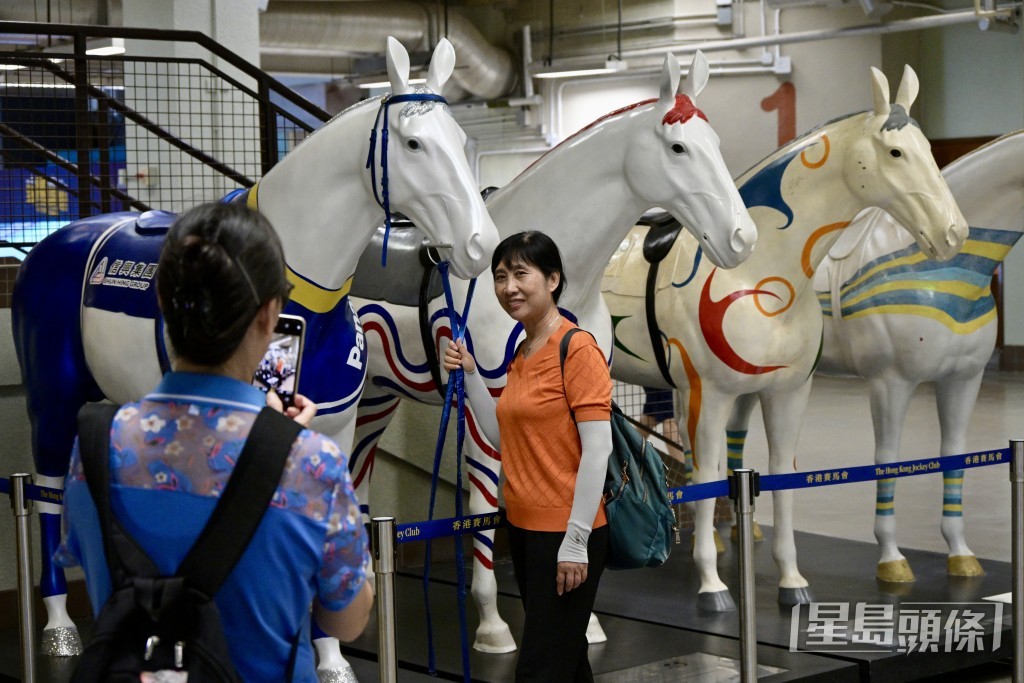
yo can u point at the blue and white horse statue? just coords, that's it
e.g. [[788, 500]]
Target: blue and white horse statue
[[85, 316], [897, 319], [586, 194]]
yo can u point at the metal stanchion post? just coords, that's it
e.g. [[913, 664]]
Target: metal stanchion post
[[743, 486], [1017, 542], [22, 507], [383, 531]]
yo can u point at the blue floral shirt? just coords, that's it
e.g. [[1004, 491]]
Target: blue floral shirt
[[171, 456]]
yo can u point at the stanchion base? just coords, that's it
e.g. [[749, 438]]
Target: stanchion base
[[715, 601], [62, 641], [795, 596]]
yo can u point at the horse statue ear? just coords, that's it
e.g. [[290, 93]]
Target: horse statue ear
[[398, 67], [442, 63], [697, 78], [880, 91], [908, 90], [669, 82]]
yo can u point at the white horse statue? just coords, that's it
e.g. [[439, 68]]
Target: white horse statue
[[897, 319], [85, 317], [754, 332], [586, 194]]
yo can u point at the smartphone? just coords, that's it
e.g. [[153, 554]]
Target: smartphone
[[279, 369]]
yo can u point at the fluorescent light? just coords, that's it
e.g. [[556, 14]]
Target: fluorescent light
[[106, 47], [387, 84], [11, 67], [611, 66]]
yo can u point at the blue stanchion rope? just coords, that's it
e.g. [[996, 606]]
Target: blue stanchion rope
[[382, 199], [454, 389]]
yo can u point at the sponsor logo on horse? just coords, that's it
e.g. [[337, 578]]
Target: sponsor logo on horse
[[97, 275]]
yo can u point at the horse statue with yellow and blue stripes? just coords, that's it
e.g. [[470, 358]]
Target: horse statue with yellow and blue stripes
[[898, 319]]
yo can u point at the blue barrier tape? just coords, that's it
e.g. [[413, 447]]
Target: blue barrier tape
[[452, 526], [438, 528], [905, 468]]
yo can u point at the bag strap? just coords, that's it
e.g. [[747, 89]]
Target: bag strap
[[242, 504], [563, 352], [234, 520], [125, 558]]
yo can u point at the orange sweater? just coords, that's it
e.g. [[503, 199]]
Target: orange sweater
[[540, 445]]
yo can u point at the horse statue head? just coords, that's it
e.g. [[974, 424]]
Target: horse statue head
[[428, 174], [885, 167], [680, 168]]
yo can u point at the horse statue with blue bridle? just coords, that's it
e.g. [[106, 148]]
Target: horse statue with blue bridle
[[754, 332], [898, 319], [85, 316], [586, 193]]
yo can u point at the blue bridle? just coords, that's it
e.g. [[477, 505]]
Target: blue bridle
[[382, 198]]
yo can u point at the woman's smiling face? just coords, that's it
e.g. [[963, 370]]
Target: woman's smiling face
[[523, 291]]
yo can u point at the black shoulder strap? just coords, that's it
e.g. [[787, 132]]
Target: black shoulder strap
[[124, 555], [563, 352], [234, 520], [238, 514]]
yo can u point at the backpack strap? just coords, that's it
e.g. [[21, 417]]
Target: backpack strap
[[234, 520], [563, 351], [125, 558], [242, 504]]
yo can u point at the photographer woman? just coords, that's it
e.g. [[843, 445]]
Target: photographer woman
[[555, 438], [221, 285]]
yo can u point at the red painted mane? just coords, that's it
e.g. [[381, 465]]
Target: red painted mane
[[683, 111]]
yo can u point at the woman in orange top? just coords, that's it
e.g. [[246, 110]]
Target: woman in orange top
[[554, 434]]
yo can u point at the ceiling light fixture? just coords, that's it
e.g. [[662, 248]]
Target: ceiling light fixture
[[387, 84], [610, 67]]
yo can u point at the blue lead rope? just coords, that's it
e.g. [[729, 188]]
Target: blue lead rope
[[457, 389], [382, 198]]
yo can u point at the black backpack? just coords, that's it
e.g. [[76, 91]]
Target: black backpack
[[157, 623]]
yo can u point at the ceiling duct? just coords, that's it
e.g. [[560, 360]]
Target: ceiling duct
[[350, 28]]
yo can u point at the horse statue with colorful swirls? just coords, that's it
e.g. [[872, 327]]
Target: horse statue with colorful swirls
[[85, 315], [897, 319], [753, 333], [586, 193]]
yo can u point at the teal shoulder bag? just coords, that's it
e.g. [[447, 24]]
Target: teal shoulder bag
[[641, 520]]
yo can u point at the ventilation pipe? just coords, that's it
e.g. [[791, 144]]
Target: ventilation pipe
[[343, 28]]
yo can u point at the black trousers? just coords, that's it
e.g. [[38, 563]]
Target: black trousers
[[554, 642]]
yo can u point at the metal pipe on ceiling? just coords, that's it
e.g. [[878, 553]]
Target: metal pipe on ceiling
[[344, 28]]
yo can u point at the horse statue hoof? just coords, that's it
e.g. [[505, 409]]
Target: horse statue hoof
[[896, 571], [494, 641], [341, 674], [595, 634], [789, 597], [715, 601], [61, 641], [734, 534], [964, 565]]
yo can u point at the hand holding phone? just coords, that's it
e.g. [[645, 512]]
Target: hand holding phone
[[279, 368]]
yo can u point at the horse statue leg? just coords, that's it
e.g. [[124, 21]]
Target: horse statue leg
[[57, 381], [890, 398], [955, 399], [735, 441], [783, 411], [483, 465], [708, 454]]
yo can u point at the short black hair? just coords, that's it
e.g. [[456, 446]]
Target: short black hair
[[219, 264], [533, 248]]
